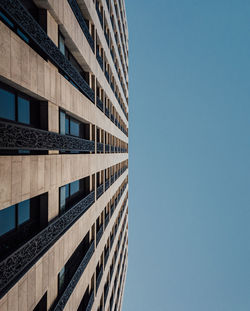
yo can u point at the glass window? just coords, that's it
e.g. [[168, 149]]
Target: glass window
[[66, 125], [5, 18], [22, 35], [74, 128], [23, 211], [61, 278], [23, 110], [67, 190], [74, 187], [7, 219], [62, 198], [7, 105], [62, 122], [61, 44]]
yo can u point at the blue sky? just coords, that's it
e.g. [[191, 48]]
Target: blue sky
[[189, 203]]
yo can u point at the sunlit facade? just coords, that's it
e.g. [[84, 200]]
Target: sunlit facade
[[63, 154]]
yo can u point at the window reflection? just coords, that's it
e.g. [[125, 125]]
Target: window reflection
[[7, 105], [7, 219], [23, 110], [23, 212]]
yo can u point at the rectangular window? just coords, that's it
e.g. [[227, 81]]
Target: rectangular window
[[62, 122], [74, 187], [23, 110], [67, 122], [62, 198], [7, 219], [23, 211], [61, 44], [61, 280], [70, 126], [71, 193], [7, 105], [6, 20], [74, 128]]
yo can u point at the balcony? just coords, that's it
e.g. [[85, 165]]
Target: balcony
[[91, 301], [99, 59], [78, 15], [107, 75], [40, 39], [12, 268], [99, 147], [99, 103], [99, 13], [99, 191], [15, 136], [107, 184], [99, 278], [106, 37], [107, 112], [77, 275], [106, 220], [99, 235]]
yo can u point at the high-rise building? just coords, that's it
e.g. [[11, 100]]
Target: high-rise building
[[63, 154]]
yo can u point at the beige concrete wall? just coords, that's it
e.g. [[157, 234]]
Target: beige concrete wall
[[23, 177], [111, 286]]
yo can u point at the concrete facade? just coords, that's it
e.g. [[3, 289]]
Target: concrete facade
[[84, 264]]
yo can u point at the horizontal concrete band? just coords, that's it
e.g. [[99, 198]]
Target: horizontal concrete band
[[23, 177]]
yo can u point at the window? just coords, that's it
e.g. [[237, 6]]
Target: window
[[71, 193], [23, 212], [7, 219], [61, 43], [23, 106], [61, 280], [70, 126], [74, 187], [42, 304], [7, 105], [18, 107], [9, 23]]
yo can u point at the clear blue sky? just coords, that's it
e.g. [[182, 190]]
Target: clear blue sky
[[189, 204]]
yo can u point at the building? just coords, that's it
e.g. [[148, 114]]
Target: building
[[63, 154]]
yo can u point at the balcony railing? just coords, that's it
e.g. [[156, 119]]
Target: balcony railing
[[99, 278], [106, 37], [99, 103], [99, 191], [107, 184], [99, 59], [16, 136], [27, 23], [99, 235], [12, 268], [99, 147], [107, 75], [91, 301], [107, 112], [106, 220], [78, 15], [76, 277], [99, 13], [106, 148]]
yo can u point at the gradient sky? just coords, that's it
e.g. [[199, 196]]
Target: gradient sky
[[189, 203]]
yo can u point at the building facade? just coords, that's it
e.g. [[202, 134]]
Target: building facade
[[63, 154]]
